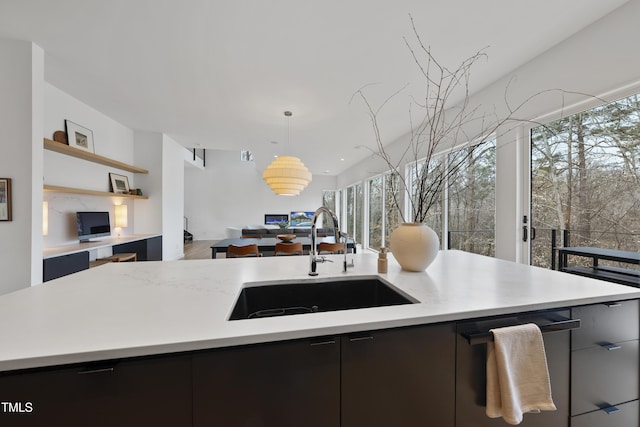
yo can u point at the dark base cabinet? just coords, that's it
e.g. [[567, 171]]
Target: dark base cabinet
[[147, 249], [400, 378], [427, 375], [143, 392], [627, 415], [52, 268], [605, 365], [281, 384]]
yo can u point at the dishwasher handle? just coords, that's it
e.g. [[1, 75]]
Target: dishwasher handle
[[484, 337]]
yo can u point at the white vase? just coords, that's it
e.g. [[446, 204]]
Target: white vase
[[414, 246]]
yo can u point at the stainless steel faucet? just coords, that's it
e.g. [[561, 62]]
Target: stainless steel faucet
[[313, 255]]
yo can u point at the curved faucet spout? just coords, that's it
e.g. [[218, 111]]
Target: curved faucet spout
[[313, 259]]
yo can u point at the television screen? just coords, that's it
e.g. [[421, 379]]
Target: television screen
[[92, 225], [275, 218], [301, 218]]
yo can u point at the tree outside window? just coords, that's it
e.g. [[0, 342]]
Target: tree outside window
[[585, 180]]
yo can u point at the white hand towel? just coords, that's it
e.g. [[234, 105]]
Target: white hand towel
[[517, 373]]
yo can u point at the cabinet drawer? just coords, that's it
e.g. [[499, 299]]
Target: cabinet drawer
[[607, 322], [626, 416], [600, 376], [144, 392]]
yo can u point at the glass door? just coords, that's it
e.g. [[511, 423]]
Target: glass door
[[585, 181]]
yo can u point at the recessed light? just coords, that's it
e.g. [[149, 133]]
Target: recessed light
[[342, 160], [274, 142]]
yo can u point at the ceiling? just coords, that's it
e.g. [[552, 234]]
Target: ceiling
[[220, 74]]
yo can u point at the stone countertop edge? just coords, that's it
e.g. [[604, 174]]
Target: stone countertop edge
[[124, 310]]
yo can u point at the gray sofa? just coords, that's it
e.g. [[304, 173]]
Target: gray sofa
[[273, 232]]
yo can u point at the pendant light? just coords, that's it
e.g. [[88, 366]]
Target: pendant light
[[287, 175]]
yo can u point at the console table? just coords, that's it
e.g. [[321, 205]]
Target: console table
[[621, 275]]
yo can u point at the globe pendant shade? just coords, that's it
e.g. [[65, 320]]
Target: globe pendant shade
[[287, 176]]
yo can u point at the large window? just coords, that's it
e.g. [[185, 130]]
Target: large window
[[471, 200], [331, 199], [585, 180], [420, 182], [384, 214], [463, 212], [354, 212], [376, 212]]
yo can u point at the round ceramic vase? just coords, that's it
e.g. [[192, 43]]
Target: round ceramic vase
[[414, 246]]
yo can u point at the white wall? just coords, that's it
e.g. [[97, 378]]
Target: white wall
[[230, 192], [148, 213], [598, 61], [172, 200], [21, 77], [164, 184], [111, 139]]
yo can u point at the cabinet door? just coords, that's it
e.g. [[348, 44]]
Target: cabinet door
[[155, 391], [146, 250], [401, 377], [139, 247], [293, 383], [52, 268], [154, 249]]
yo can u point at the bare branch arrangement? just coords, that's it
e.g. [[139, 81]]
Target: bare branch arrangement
[[443, 123]]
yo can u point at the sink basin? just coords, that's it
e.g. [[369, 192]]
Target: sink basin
[[283, 298]]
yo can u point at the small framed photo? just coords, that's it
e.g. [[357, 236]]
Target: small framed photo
[[5, 199], [79, 137], [119, 183]]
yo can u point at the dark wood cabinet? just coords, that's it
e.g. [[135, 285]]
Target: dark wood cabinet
[[146, 249], [55, 267], [399, 377], [614, 321], [419, 375], [147, 391], [292, 383], [626, 415], [605, 365]]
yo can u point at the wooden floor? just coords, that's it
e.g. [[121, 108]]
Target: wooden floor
[[198, 249]]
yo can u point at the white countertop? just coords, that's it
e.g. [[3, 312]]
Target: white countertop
[[134, 309]]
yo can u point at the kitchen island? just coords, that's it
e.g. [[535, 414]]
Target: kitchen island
[[179, 310]]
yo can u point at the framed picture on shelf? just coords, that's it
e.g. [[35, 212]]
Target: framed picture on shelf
[[119, 183], [5, 199], [79, 137]]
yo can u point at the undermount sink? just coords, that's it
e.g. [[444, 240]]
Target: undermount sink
[[283, 298]]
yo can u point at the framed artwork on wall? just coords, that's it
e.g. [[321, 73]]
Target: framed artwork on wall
[[79, 137], [119, 183], [5, 199], [301, 218]]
